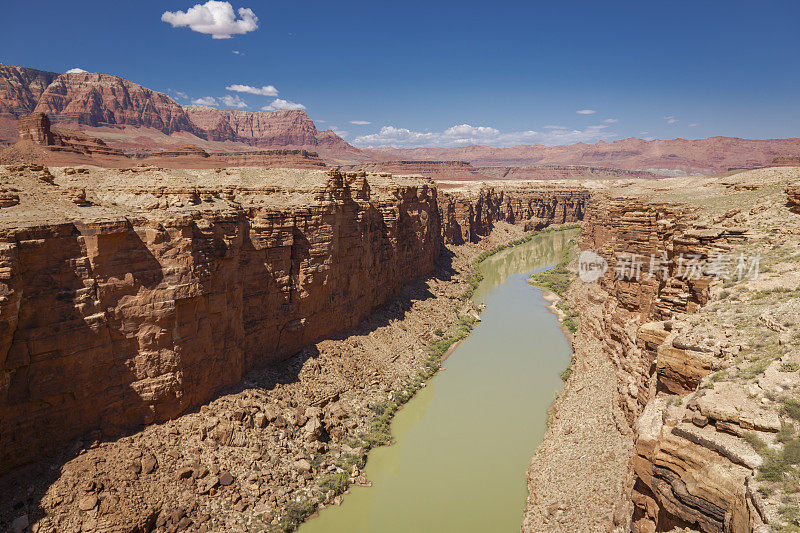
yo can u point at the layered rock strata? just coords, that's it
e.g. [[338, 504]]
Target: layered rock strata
[[468, 213], [169, 291], [689, 469]]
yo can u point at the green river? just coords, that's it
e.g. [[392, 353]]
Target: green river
[[463, 443]]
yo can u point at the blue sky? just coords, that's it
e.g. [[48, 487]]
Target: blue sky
[[444, 73]]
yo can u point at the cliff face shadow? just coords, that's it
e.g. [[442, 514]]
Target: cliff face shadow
[[66, 376], [120, 411]]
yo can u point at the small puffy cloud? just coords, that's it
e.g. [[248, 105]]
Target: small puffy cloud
[[554, 127], [266, 90], [282, 105], [360, 122], [670, 119], [205, 100], [465, 134], [611, 120], [76, 70], [694, 124], [178, 94], [238, 53], [340, 133], [586, 111], [214, 18], [232, 101]]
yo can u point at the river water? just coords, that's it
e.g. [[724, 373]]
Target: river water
[[463, 443]]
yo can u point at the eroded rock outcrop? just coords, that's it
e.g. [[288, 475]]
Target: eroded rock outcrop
[[687, 470], [793, 194], [35, 127]]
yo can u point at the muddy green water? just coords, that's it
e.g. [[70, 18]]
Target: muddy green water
[[463, 443]]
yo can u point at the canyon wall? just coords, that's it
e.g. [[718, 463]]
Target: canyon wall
[[469, 213], [688, 470], [148, 296]]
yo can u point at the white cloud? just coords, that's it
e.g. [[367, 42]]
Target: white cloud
[[213, 18], [465, 134], [232, 101], [178, 94], [611, 120], [266, 90], [694, 124], [360, 122], [282, 105], [670, 119], [586, 111], [340, 133], [76, 70], [238, 53], [205, 100], [554, 127]]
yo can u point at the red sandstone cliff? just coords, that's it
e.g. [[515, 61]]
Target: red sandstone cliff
[[178, 290], [41, 144], [88, 101], [261, 128]]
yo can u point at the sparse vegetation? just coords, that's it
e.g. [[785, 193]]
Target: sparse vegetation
[[756, 442], [567, 372], [476, 277], [337, 483], [379, 432], [792, 408], [558, 278], [296, 513], [789, 367]]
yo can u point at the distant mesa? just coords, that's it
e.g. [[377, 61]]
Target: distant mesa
[[42, 144], [131, 117]]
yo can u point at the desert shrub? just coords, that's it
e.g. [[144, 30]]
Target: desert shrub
[[772, 469], [338, 483], [296, 512], [789, 367], [786, 433], [756, 442], [791, 452], [792, 408]]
